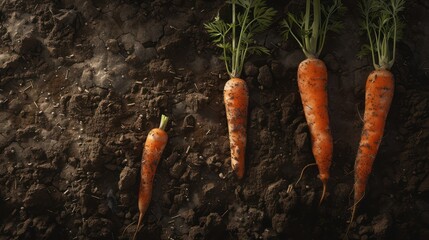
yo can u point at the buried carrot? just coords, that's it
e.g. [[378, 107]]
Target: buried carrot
[[236, 41], [382, 25], [152, 151], [313, 79]]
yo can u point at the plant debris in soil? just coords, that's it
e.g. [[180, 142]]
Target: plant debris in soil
[[82, 82]]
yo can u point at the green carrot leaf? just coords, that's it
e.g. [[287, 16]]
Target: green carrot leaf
[[236, 39]]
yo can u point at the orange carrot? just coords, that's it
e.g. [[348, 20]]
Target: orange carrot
[[236, 40], [378, 97], [382, 35], [312, 84], [152, 151], [313, 78], [236, 100]]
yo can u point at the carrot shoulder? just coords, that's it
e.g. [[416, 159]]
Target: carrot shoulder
[[236, 98]]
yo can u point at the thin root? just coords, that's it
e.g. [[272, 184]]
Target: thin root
[[353, 208], [323, 194], [302, 172], [360, 116], [138, 226], [350, 172], [125, 229]]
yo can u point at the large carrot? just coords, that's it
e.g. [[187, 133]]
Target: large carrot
[[378, 97], [236, 98], [312, 84], [236, 41], [152, 151], [313, 80], [380, 19]]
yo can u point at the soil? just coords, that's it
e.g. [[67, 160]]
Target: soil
[[82, 82]]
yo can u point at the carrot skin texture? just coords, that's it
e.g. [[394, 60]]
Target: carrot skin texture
[[152, 151], [379, 91], [312, 84], [236, 98], [153, 148]]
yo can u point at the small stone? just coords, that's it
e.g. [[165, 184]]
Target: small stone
[[112, 45]]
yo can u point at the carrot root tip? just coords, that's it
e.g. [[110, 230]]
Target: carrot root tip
[[323, 194], [138, 226]]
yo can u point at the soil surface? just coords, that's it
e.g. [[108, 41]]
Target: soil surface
[[82, 82]]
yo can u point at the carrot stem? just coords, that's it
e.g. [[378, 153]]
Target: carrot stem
[[312, 27], [382, 25], [237, 38], [164, 121]]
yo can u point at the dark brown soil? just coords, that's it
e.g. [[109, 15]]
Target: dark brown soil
[[82, 82]]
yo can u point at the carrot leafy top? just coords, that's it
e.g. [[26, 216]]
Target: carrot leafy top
[[310, 29], [383, 27], [236, 38]]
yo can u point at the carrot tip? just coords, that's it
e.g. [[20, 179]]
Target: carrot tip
[[323, 194], [138, 226], [351, 221]]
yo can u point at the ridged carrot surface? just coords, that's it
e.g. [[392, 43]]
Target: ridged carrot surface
[[236, 98], [378, 98], [312, 84]]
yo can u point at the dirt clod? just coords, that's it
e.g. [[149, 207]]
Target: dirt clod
[[265, 77], [127, 178]]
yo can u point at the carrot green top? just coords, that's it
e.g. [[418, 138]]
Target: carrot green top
[[163, 123], [383, 27], [310, 29], [236, 38]]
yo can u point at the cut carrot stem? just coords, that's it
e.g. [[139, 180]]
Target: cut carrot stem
[[152, 151]]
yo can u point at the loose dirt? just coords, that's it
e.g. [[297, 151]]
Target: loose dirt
[[82, 82]]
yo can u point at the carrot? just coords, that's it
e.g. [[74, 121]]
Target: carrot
[[152, 151], [312, 83], [236, 98], [382, 25], [236, 41], [313, 80], [378, 98]]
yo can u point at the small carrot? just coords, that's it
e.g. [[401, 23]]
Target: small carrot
[[152, 151], [313, 80], [254, 18], [382, 25]]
